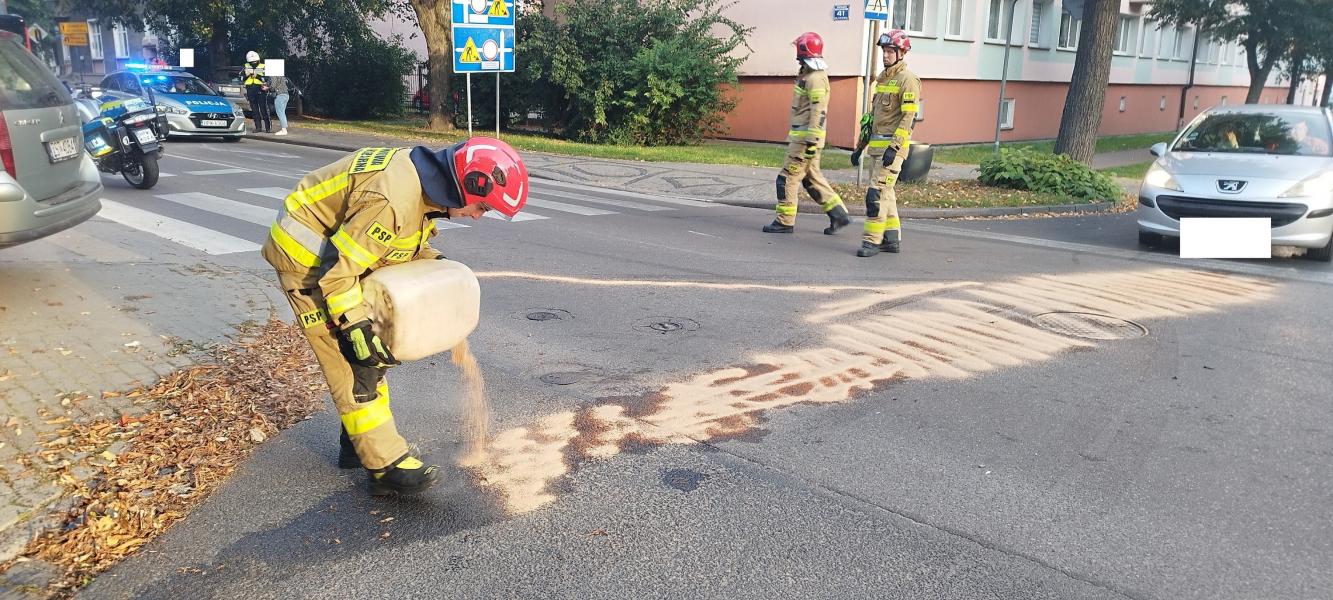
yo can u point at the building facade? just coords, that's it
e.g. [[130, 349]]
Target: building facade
[[958, 51]]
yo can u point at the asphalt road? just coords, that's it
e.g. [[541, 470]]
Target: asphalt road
[[686, 407]]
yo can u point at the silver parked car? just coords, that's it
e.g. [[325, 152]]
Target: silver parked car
[[1256, 161], [49, 183]]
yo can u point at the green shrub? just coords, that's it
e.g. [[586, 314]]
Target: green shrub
[[648, 72], [364, 81], [1047, 173]]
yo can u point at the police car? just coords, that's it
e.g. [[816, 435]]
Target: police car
[[193, 109]]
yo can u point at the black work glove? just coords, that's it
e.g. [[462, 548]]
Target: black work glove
[[367, 349], [441, 257], [856, 157]]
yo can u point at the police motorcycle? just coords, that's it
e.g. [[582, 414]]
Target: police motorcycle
[[123, 136]]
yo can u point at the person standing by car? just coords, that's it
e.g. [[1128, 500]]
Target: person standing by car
[[280, 97], [256, 91]]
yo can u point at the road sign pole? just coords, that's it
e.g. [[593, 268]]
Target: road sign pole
[[497, 106], [469, 104]]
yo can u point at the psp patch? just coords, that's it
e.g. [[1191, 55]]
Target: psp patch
[[313, 318], [380, 234], [369, 160]]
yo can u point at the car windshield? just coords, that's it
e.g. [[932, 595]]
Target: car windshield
[[1258, 133], [176, 84]]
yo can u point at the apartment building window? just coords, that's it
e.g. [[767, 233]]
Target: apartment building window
[[1123, 103], [1181, 49], [955, 19], [1147, 44], [1069, 29], [910, 15], [1225, 56], [121, 37], [1166, 47], [1124, 35], [1224, 100], [1007, 113], [1038, 11], [1162, 104], [995, 20], [95, 40]]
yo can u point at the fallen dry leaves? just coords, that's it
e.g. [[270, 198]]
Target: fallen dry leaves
[[133, 477]]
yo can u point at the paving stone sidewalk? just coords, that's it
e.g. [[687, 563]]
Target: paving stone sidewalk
[[79, 317]]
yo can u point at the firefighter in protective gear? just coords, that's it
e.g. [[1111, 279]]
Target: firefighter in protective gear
[[805, 143], [374, 208], [887, 135], [256, 91]]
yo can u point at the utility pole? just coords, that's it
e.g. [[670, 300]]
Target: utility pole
[[1004, 73]]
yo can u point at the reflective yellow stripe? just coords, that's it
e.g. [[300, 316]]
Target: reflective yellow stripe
[[887, 88], [878, 144], [316, 192], [818, 95], [783, 209], [873, 227], [411, 241], [371, 415], [902, 134], [805, 132], [892, 223], [833, 203], [352, 250], [341, 303], [801, 91], [909, 107], [292, 248]]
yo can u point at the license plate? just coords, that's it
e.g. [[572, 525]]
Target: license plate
[[146, 136], [63, 149], [231, 90], [212, 123]]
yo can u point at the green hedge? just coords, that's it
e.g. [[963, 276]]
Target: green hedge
[[364, 81], [1048, 173]]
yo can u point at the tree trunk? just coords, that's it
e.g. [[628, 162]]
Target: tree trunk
[[1258, 70], [217, 47], [1087, 89], [1327, 96], [1296, 61], [434, 18]]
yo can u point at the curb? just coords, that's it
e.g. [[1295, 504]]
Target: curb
[[858, 211]]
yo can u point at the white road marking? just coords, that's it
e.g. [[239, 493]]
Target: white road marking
[[571, 187], [161, 174], [447, 224], [703, 234], [210, 162], [523, 216], [597, 200], [185, 234], [219, 172], [258, 215], [569, 208], [276, 193]]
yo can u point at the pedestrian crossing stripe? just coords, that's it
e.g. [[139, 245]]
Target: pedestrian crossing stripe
[[371, 159], [498, 9], [470, 54]]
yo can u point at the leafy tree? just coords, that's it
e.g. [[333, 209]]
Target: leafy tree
[[434, 18], [1082, 115]]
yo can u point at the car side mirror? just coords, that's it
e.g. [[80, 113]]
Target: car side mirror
[[1157, 149]]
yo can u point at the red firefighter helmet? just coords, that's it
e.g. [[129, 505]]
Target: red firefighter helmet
[[490, 172], [809, 45], [896, 38]]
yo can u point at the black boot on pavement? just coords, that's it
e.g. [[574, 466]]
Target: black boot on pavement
[[891, 247], [867, 249], [776, 227], [837, 219], [405, 477]]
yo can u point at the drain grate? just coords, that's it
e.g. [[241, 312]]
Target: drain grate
[[546, 314], [1090, 326], [562, 378], [666, 325]]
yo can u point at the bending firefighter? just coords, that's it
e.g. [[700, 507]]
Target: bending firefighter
[[887, 132], [256, 90], [805, 142], [371, 209]]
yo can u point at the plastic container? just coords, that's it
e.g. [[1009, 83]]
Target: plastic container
[[917, 165], [423, 307]]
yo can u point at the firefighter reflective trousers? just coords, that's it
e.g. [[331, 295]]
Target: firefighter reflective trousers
[[803, 171], [360, 394], [882, 222]]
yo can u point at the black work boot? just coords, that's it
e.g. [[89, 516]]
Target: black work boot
[[837, 219], [891, 247], [405, 477], [776, 227], [867, 249]]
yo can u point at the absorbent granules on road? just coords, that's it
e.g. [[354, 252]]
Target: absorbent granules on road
[[132, 478], [476, 411]]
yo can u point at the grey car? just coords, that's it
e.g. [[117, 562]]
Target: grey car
[[1257, 161], [49, 183]]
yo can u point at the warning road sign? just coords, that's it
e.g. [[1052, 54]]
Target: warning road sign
[[483, 12], [877, 10], [483, 49], [74, 33]]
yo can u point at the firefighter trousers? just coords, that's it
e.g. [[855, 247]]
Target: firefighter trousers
[[799, 170], [361, 394], [882, 223]]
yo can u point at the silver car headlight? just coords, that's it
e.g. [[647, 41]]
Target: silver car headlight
[[1159, 177], [172, 110], [1312, 186]]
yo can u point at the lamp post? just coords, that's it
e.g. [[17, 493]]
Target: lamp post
[[1004, 72]]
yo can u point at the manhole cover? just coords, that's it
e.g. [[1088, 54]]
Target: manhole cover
[[546, 314], [562, 378], [666, 325], [1090, 326], [685, 480]]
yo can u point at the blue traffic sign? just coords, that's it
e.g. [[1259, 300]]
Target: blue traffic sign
[[482, 49], [877, 10], [483, 12], [842, 12]]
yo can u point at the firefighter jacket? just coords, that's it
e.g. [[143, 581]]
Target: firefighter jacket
[[253, 75], [345, 220], [809, 108], [897, 97]]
